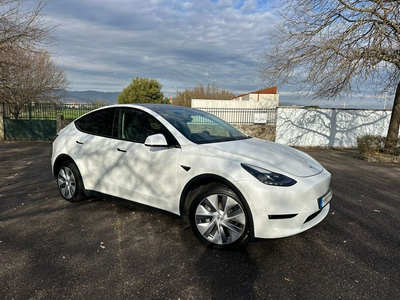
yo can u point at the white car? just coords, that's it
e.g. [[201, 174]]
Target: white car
[[229, 186]]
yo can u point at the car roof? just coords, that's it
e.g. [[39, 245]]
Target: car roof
[[156, 107], [153, 107]]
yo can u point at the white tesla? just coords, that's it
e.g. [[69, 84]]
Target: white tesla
[[229, 186]]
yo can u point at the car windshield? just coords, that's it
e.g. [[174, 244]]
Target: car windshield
[[198, 126]]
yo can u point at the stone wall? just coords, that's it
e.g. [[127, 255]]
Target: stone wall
[[265, 132]]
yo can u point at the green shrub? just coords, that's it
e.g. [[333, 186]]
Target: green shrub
[[373, 144]]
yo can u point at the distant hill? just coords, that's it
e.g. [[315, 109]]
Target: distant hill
[[90, 96], [288, 103]]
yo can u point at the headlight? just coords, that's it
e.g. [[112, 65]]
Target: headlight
[[269, 177]]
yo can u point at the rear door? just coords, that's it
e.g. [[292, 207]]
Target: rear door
[[94, 149]]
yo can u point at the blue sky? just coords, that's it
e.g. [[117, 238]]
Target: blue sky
[[103, 44]]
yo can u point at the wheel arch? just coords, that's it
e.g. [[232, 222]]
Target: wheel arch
[[59, 161], [204, 179]]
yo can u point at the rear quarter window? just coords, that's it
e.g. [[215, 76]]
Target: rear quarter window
[[99, 122]]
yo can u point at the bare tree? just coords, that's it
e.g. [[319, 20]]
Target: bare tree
[[202, 92], [27, 72], [39, 80], [22, 27], [336, 47]]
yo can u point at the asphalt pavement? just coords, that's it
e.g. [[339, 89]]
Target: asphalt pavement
[[108, 249]]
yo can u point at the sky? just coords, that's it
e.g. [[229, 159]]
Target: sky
[[103, 44]]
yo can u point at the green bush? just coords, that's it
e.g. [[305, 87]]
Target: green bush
[[143, 90], [373, 144]]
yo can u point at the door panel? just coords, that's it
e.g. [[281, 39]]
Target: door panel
[[147, 175], [96, 159], [94, 149]]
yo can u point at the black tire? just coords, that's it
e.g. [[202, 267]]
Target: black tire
[[69, 182], [218, 217]]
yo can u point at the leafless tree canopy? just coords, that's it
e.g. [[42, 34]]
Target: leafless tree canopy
[[27, 72], [39, 80], [333, 47], [22, 27]]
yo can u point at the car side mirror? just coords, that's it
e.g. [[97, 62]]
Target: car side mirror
[[156, 140]]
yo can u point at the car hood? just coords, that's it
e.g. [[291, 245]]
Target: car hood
[[272, 156]]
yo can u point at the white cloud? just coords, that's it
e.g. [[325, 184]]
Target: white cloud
[[187, 5], [224, 3], [249, 5], [182, 44]]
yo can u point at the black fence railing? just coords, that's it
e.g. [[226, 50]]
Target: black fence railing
[[244, 116], [71, 111], [48, 111]]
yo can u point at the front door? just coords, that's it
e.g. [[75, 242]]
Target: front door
[[145, 174]]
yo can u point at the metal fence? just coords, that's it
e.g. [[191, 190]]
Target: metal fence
[[243, 116], [49, 111], [71, 111]]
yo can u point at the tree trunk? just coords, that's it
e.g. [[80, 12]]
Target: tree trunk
[[393, 132], [15, 114]]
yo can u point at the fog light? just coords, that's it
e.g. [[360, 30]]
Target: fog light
[[324, 200]]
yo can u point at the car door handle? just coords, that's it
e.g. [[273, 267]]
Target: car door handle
[[120, 150], [78, 142]]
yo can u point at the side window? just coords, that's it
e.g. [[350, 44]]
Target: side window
[[98, 122], [136, 125]]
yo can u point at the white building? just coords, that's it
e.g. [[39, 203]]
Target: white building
[[268, 94], [266, 98]]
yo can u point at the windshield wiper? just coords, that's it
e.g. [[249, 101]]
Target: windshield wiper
[[243, 138]]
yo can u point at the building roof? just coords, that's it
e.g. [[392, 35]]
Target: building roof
[[270, 90]]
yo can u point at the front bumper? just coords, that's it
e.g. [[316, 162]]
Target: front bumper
[[284, 211]]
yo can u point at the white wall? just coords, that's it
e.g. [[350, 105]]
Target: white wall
[[328, 127], [204, 103], [272, 98]]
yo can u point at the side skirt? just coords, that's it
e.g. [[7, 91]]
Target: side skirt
[[128, 203]]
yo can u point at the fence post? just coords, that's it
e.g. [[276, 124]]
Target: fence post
[[59, 122], [30, 110], [2, 122]]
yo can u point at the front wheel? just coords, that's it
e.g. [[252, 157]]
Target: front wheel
[[70, 183], [218, 217]]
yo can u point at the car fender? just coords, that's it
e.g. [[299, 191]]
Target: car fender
[[208, 178]]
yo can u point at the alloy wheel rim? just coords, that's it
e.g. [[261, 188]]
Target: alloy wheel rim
[[66, 182], [220, 219]]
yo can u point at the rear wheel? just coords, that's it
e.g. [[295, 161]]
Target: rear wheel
[[70, 182], [218, 217]]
